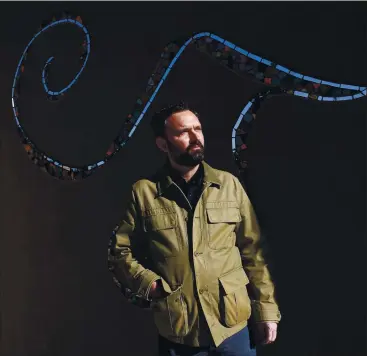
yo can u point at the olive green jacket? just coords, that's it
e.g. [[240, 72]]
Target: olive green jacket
[[209, 260]]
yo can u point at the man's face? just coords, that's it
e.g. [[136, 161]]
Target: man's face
[[184, 138]]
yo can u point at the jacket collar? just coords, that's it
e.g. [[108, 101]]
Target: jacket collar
[[165, 180]]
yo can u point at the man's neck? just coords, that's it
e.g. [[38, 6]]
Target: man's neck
[[186, 172]]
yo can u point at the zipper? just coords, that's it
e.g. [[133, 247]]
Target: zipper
[[185, 237], [193, 212], [183, 195]]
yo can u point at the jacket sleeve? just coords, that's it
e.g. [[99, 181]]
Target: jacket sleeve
[[250, 244], [123, 251]]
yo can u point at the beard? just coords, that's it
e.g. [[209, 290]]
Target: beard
[[189, 158]]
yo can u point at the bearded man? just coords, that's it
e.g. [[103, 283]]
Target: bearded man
[[203, 270]]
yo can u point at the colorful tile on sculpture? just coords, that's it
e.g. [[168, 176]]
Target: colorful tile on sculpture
[[277, 79]]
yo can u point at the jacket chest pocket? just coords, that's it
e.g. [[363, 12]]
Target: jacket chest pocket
[[163, 234], [221, 226]]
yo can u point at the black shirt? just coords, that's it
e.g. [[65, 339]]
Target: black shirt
[[193, 188]]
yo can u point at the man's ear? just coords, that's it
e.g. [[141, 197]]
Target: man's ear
[[162, 144]]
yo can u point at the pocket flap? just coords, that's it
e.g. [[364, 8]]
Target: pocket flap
[[224, 215], [166, 286], [160, 222], [234, 280]]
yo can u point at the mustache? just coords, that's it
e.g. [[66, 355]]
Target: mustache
[[197, 143]]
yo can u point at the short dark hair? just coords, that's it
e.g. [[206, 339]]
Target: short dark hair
[[158, 122]]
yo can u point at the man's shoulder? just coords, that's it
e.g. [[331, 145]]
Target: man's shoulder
[[224, 176], [145, 182], [151, 180]]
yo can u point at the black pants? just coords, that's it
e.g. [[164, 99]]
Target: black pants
[[236, 345]]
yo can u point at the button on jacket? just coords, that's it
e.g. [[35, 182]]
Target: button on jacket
[[208, 257]]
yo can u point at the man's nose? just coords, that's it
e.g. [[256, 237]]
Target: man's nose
[[193, 136]]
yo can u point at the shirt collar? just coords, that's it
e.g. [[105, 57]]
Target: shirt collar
[[177, 178], [165, 180]]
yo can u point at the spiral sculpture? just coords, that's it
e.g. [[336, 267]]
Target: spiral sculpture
[[278, 80]]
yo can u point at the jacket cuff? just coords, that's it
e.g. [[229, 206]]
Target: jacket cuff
[[146, 280], [265, 312]]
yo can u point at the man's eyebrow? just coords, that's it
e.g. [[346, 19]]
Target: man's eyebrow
[[185, 128], [180, 129]]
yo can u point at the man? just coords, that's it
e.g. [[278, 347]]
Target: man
[[190, 244]]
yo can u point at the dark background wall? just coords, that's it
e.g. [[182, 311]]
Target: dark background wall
[[306, 176]]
